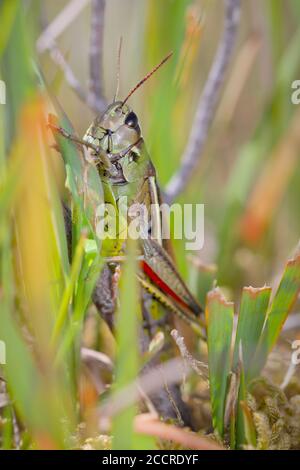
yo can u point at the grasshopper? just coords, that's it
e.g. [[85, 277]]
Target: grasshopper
[[125, 169]]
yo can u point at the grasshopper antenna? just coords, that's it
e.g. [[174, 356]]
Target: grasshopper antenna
[[141, 82], [118, 68]]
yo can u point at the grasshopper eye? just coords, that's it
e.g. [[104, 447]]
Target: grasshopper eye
[[131, 120], [134, 156]]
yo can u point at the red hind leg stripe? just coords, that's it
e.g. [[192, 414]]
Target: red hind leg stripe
[[161, 284]]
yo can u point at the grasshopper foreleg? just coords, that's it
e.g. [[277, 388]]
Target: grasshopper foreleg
[[100, 157]]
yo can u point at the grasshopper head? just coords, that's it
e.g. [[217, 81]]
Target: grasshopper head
[[116, 131], [117, 135]]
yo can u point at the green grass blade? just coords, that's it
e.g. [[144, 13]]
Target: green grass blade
[[16, 66], [282, 304], [91, 265], [219, 319], [253, 310], [8, 10], [39, 398], [127, 360], [162, 138], [82, 180], [68, 291], [244, 428], [201, 279], [250, 432]]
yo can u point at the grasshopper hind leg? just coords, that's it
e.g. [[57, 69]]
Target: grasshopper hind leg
[[104, 296]]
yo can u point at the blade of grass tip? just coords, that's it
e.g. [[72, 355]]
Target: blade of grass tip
[[127, 357], [69, 290], [219, 320], [252, 314], [201, 278], [283, 302]]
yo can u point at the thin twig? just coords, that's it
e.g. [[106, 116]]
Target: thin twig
[[96, 55], [174, 405], [102, 359], [118, 69], [199, 367], [64, 18], [58, 58], [47, 42], [289, 375], [148, 402], [73, 82], [208, 102]]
